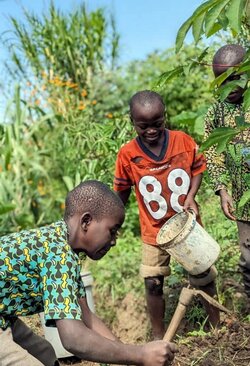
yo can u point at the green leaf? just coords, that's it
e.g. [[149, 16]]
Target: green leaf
[[218, 136], [222, 143], [244, 199], [215, 28], [234, 14], [202, 9], [241, 122], [197, 28], [68, 182], [182, 34], [213, 14], [219, 80], [6, 208], [226, 89], [246, 101], [185, 117], [167, 76]]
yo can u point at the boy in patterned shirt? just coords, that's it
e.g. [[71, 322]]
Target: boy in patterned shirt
[[166, 172], [40, 271], [233, 166]]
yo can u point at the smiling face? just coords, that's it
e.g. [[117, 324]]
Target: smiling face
[[96, 237], [149, 122]]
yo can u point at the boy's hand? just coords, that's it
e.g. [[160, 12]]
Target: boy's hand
[[226, 202], [158, 353], [191, 204]]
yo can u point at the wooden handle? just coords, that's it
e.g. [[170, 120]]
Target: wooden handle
[[185, 298], [175, 322]]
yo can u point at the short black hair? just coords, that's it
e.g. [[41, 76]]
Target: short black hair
[[145, 97], [229, 55], [94, 197]]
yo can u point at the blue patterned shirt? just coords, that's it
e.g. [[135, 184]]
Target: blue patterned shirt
[[39, 272]]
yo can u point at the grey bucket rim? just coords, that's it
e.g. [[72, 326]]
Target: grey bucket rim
[[191, 220]]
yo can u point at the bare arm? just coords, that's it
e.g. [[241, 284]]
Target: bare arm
[[190, 199], [124, 195], [92, 321], [85, 343]]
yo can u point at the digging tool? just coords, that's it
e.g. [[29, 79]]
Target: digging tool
[[185, 298]]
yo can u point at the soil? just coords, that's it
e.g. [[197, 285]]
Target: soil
[[227, 346]]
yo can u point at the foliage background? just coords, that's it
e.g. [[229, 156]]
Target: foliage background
[[67, 119]]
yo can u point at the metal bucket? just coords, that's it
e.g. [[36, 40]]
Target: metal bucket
[[189, 244]]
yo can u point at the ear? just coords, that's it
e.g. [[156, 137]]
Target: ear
[[86, 219]]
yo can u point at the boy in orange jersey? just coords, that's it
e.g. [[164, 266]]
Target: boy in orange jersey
[[166, 172]]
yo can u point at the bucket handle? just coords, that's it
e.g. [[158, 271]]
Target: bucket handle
[[192, 224], [191, 210]]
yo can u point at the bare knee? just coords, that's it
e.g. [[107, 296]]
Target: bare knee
[[154, 285]]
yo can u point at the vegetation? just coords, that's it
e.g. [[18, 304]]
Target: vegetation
[[68, 118]]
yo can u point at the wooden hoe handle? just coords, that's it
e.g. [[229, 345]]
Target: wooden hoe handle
[[185, 298]]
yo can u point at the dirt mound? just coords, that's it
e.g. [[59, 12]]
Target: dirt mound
[[227, 346], [132, 324]]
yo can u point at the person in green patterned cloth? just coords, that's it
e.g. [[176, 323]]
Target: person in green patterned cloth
[[40, 271], [233, 166]]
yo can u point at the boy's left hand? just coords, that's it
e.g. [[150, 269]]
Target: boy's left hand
[[191, 204]]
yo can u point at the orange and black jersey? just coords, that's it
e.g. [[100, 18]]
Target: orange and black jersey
[[161, 182]]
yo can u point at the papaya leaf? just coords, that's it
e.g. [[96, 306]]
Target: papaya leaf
[[213, 14], [246, 101], [234, 14], [218, 136], [244, 199], [6, 208]]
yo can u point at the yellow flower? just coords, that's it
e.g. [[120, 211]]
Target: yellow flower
[[81, 107], [72, 85], [1, 169], [41, 190], [62, 206], [94, 102], [9, 167], [44, 74], [109, 115], [84, 93]]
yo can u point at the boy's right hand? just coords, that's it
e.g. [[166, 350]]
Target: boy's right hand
[[226, 202], [158, 353]]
